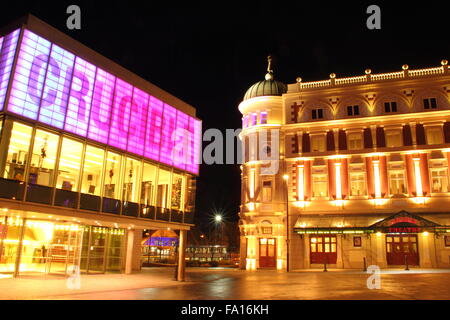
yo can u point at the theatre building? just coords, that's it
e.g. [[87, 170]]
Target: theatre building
[[363, 171], [90, 156]]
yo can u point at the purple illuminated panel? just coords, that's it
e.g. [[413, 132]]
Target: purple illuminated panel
[[195, 129], [8, 47], [167, 132], [138, 122], [180, 153], [123, 97], [80, 97], [56, 87], [26, 92], [154, 125], [102, 102]]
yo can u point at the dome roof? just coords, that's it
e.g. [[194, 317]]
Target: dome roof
[[266, 88]]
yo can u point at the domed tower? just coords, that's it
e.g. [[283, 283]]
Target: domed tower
[[262, 210]]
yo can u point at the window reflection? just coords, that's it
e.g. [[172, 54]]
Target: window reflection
[[19, 144], [112, 175], [92, 170], [69, 165], [43, 158], [131, 180], [163, 188], [148, 184]]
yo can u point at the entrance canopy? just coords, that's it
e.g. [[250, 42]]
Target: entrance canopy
[[401, 222]]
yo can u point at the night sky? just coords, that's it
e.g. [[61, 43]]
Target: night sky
[[208, 54]]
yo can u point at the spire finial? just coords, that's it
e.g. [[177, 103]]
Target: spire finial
[[269, 75]]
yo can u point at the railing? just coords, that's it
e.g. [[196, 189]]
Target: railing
[[15, 190], [444, 69]]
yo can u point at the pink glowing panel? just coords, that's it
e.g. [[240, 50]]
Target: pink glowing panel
[[8, 47], [138, 122], [154, 125], [56, 87], [80, 97], [101, 109], [195, 129], [167, 134], [123, 97], [181, 137], [29, 76]]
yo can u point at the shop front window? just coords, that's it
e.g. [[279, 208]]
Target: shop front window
[[148, 184], [69, 165], [177, 194], [131, 180], [111, 188], [163, 189], [16, 158], [43, 158], [92, 171]]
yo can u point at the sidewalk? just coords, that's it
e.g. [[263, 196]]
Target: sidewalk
[[39, 287]]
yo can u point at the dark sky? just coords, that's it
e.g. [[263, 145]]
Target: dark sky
[[209, 53]]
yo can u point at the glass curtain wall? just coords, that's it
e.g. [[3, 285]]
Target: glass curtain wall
[[91, 181]]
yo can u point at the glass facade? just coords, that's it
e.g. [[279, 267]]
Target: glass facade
[[62, 171], [30, 246]]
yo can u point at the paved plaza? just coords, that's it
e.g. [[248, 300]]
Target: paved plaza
[[218, 284]]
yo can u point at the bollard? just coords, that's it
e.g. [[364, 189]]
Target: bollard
[[406, 263], [325, 265], [365, 264]]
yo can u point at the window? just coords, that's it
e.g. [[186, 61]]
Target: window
[[92, 170], [43, 158], [19, 144], [253, 119], [267, 191], [434, 135], [112, 189], [131, 180], [162, 194], [357, 184], [355, 141], [317, 114], [267, 230], [447, 241], [245, 122], [319, 185], [177, 195], [353, 110], [397, 182], [390, 107], [69, 165], [263, 118], [439, 180], [148, 184], [429, 103], [318, 143], [357, 242], [393, 138]]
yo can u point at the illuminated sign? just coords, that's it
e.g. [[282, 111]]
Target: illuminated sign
[[403, 220], [53, 86]]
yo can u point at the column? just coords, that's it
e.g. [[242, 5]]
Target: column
[[424, 254], [181, 255], [129, 253], [300, 182], [338, 181], [376, 178], [419, 192]]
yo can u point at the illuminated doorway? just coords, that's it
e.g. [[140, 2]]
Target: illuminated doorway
[[402, 249], [267, 251]]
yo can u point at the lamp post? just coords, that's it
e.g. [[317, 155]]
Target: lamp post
[[286, 179]]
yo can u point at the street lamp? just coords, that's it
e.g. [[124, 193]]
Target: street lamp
[[286, 179]]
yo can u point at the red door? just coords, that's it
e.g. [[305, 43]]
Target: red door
[[323, 249], [401, 247], [267, 253]]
